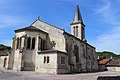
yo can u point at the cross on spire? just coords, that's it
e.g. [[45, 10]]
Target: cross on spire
[[38, 18]]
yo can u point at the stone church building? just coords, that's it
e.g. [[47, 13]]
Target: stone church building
[[45, 48]]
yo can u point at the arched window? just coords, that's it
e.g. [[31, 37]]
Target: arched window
[[42, 44], [76, 52], [39, 43], [17, 45], [20, 42], [33, 43], [83, 33], [76, 30], [66, 44], [28, 42], [71, 43], [83, 51]]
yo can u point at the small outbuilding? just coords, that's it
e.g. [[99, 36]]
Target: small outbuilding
[[102, 64], [113, 65], [4, 56]]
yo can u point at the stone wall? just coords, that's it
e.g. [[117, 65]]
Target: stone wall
[[55, 34], [113, 68], [62, 62], [42, 66], [87, 55]]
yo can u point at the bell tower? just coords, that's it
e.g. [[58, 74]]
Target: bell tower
[[77, 25]]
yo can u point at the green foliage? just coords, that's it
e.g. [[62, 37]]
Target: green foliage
[[4, 48], [107, 55]]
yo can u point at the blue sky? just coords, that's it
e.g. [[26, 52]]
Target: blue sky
[[101, 18]]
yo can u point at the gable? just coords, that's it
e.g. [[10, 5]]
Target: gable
[[52, 30]]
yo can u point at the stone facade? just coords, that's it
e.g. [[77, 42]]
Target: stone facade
[[45, 48]]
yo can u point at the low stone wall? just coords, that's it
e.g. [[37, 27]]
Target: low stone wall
[[108, 78]]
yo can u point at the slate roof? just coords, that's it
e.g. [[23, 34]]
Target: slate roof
[[51, 51], [113, 63], [77, 15], [30, 28]]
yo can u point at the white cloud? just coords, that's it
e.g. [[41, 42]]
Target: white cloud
[[110, 39], [108, 13], [6, 20]]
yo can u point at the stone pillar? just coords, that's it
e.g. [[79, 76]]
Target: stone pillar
[[37, 55], [24, 42], [13, 43], [37, 41]]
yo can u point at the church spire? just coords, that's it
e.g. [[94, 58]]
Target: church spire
[[77, 15], [77, 26]]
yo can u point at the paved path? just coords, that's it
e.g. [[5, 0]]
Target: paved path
[[15, 75]]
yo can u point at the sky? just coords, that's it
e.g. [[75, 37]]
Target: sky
[[101, 18]]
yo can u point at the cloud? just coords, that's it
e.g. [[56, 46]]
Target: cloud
[[108, 13], [7, 20], [109, 40]]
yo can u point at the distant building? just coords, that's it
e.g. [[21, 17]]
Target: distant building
[[4, 58], [102, 64], [113, 65], [109, 65], [45, 48]]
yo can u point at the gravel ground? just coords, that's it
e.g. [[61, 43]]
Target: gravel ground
[[29, 75]]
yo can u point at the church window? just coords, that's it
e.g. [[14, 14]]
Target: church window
[[44, 59], [48, 59], [28, 42], [82, 32], [76, 52], [17, 45], [42, 44], [89, 57], [20, 42], [33, 43], [76, 30], [84, 53], [66, 44], [62, 60], [39, 43]]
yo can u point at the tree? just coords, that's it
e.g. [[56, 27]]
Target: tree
[[107, 55], [4, 48]]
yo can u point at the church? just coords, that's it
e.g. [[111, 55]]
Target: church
[[47, 49]]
